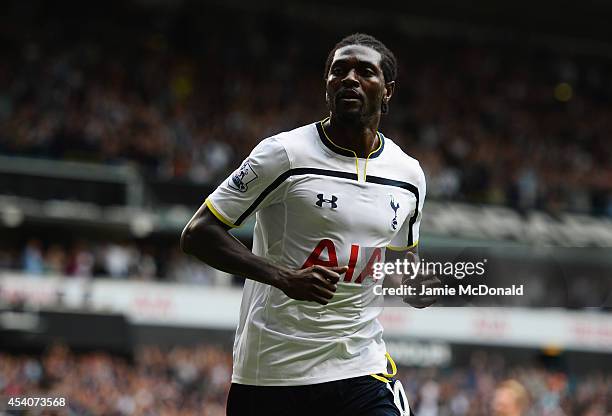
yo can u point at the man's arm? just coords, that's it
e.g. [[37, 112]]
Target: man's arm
[[208, 239]]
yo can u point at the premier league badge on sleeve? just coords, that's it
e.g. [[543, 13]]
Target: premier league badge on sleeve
[[242, 177]]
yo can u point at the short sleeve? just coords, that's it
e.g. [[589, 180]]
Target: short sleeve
[[408, 235], [256, 183]]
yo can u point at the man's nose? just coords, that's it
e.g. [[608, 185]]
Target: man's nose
[[350, 78]]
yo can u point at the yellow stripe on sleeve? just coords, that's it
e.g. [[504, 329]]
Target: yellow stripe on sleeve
[[396, 248], [217, 214]]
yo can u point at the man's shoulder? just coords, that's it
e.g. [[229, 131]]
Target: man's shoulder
[[296, 143], [402, 160], [297, 136], [289, 137]]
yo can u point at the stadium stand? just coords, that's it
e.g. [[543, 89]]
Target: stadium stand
[[511, 124], [117, 120]]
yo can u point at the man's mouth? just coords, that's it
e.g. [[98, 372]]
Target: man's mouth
[[349, 95]]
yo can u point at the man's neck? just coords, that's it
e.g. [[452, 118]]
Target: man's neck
[[362, 138]]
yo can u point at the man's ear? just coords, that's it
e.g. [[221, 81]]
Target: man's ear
[[389, 89]]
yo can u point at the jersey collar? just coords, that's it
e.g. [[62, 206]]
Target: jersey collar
[[343, 150]]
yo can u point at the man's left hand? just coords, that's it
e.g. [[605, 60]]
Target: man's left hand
[[422, 282]]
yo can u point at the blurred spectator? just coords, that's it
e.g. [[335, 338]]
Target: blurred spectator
[[32, 258], [81, 261], [430, 395], [55, 260], [510, 399], [118, 260], [187, 270]]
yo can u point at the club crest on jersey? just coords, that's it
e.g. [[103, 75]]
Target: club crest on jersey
[[242, 177], [394, 206], [332, 202]]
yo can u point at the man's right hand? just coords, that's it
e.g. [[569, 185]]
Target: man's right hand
[[315, 283]]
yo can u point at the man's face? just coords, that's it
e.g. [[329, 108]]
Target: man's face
[[355, 83]]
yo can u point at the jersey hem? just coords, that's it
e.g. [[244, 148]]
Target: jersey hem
[[302, 381]]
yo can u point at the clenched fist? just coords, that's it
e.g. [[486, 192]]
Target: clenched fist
[[315, 283], [421, 281]]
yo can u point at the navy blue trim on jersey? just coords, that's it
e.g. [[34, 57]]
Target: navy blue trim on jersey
[[345, 152], [284, 176], [404, 185], [337, 174], [382, 146]]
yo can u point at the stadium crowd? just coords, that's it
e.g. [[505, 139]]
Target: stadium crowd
[[108, 259], [491, 122], [195, 381], [180, 382]]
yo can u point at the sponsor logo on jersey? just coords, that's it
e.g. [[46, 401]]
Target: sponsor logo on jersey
[[321, 200], [324, 254], [394, 206], [242, 177]]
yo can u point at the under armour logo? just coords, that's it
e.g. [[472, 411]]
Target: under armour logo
[[394, 206], [322, 200]]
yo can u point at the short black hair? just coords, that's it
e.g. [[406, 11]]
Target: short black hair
[[388, 62]]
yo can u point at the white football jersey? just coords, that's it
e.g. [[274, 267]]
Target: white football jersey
[[317, 203]]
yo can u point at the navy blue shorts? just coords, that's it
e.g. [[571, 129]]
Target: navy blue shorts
[[359, 396]]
